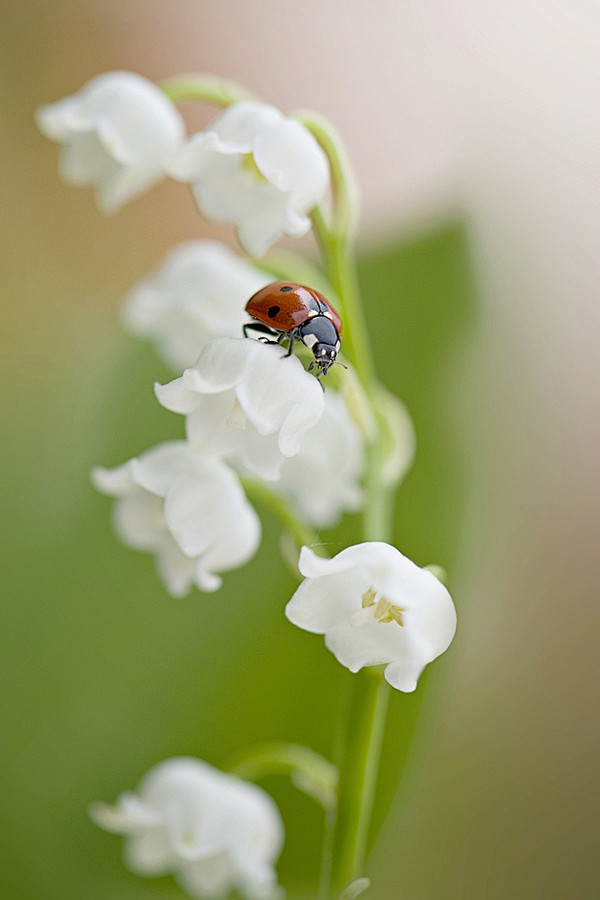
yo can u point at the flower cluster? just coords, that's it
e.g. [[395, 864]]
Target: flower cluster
[[247, 414], [253, 166], [255, 420]]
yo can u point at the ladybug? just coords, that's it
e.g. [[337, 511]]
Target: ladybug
[[287, 310]]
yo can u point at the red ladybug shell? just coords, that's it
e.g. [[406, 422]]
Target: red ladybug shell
[[284, 306]]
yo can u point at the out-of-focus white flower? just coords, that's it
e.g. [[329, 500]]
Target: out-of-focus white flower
[[256, 168], [118, 133], [214, 832], [323, 479], [245, 401], [198, 293], [190, 511], [375, 606]]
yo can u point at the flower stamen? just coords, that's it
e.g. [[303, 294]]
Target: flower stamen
[[249, 167], [377, 608]]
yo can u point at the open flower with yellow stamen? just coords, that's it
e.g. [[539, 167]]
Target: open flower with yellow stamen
[[375, 607]]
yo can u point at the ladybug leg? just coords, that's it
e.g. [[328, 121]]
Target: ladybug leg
[[293, 338], [263, 331]]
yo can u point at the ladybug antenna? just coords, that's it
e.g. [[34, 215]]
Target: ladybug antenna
[[338, 363]]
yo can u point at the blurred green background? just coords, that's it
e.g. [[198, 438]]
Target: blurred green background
[[104, 674]]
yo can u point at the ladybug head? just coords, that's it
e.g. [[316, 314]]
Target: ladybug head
[[325, 356], [320, 334]]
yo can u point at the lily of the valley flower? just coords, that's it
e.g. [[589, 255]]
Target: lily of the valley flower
[[323, 479], [256, 168], [243, 400], [190, 511], [375, 607], [198, 293], [214, 832], [118, 133]]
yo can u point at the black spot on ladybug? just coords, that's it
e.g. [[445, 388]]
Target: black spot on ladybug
[[272, 311], [283, 289]]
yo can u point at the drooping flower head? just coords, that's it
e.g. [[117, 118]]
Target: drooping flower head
[[198, 293], [118, 134], [244, 401], [214, 832], [190, 511], [257, 168], [375, 607]]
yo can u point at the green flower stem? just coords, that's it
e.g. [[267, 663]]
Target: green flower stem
[[358, 776], [204, 87], [345, 840], [301, 530], [341, 267]]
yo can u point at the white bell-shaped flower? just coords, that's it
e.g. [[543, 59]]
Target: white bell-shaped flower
[[375, 607], [257, 168], [188, 510], [118, 133], [323, 479], [198, 293], [214, 832], [246, 401]]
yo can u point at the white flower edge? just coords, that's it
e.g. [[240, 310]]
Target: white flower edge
[[190, 511], [375, 607], [272, 196], [118, 134], [246, 401], [214, 832]]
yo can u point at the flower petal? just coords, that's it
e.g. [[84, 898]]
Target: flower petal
[[129, 815], [149, 854], [323, 479], [292, 160], [321, 603], [177, 571], [138, 519], [208, 879], [155, 469], [119, 184], [113, 481], [366, 645]]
